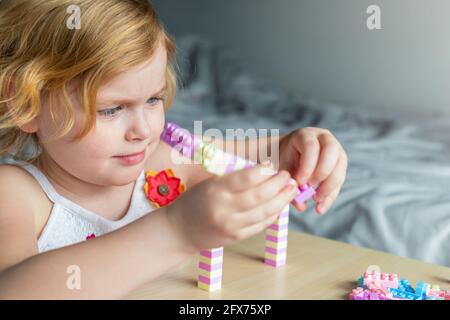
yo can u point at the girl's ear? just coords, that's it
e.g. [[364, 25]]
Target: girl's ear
[[30, 127]]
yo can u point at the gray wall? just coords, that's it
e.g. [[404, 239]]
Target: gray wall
[[323, 48]]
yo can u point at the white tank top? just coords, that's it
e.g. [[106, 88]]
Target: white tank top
[[70, 223]]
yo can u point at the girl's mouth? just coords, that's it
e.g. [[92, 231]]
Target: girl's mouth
[[131, 159]]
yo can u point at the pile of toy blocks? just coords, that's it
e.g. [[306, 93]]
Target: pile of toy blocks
[[374, 285]]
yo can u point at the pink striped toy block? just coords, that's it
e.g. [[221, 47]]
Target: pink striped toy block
[[277, 233], [218, 162], [210, 264]]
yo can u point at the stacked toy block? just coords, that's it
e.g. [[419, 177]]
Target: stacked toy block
[[210, 269], [277, 240], [219, 162]]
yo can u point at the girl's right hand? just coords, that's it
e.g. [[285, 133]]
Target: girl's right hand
[[232, 207]]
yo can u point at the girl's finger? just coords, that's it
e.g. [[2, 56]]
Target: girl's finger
[[329, 155], [324, 206], [263, 193], [309, 148], [268, 209], [256, 228], [245, 179], [300, 206], [333, 181]]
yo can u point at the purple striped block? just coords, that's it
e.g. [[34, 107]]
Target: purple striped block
[[207, 267], [206, 280], [284, 214], [278, 227], [276, 251], [276, 239], [213, 254], [274, 263]]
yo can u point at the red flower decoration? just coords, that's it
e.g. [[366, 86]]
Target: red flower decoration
[[162, 187], [90, 236]]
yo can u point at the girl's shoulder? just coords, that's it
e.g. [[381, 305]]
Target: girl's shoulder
[[20, 205], [16, 178], [18, 186]]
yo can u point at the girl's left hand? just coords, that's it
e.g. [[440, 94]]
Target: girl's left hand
[[315, 156]]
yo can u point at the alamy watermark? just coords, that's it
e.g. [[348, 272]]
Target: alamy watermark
[[215, 136], [373, 21], [74, 20], [74, 279]]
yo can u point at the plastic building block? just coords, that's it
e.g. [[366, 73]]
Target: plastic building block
[[421, 289], [356, 294], [360, 281], [366, 294], [381, 280], [435, 293], [276, 240], [404, 294], [210, 269], [404, 285]]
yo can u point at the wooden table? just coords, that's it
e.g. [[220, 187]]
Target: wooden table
[[317, 268]]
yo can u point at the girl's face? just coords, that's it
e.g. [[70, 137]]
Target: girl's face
[[130, 119]]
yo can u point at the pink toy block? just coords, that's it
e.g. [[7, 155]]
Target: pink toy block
[[278, 227], [276, 235], [381, 280], [210, 269], [212, 254], [370, 294], [305, 194], [275, 251]]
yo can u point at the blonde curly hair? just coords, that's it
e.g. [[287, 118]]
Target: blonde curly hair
[[40, 54]]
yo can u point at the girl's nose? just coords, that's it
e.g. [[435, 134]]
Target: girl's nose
[[139, 128]]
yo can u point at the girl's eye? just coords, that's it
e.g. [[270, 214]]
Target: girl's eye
[[113, 111], [153, 101], [110, 112]]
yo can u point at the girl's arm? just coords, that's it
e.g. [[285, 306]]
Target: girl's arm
[[110, 266]]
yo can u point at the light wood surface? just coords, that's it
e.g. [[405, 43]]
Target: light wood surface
[[317, 268]]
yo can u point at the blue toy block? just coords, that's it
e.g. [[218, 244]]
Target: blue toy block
[[404, 294], [360, 282], [421, 289], [404, 285]]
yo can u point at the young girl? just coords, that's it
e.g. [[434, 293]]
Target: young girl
[[89, 97]]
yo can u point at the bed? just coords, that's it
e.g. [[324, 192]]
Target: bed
[[397, 194]]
